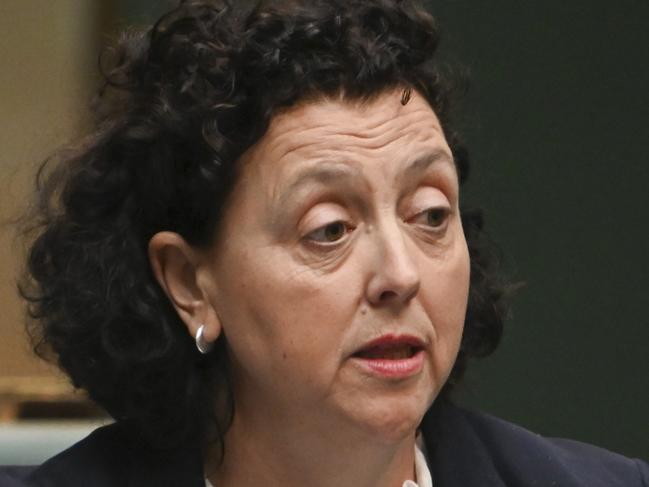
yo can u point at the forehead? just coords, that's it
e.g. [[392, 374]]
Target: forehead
[[376, 121], [348, 132]]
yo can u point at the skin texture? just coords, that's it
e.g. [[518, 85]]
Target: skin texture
[[343, 227]]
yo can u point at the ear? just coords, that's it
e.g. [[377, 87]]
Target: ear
[[177, 268]]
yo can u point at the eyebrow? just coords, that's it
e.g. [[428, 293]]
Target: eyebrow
[[423, 162], [324, 172], [328, 172]]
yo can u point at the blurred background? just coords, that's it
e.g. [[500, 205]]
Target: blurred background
[[557, 123]]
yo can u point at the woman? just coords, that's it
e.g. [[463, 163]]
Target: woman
[[259, 266]]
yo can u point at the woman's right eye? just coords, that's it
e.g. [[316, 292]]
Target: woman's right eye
[[330, 233]]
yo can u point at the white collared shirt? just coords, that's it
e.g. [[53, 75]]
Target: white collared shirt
[[422, 473]]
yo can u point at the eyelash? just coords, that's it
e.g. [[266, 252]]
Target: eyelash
[[442, 212], [346, 228], [319, 235]]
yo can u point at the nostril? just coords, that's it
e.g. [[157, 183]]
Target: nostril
[[387, 295]]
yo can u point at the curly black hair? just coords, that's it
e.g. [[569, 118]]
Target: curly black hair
[[181, 102]]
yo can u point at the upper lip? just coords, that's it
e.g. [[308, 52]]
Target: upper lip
[[390, 340]]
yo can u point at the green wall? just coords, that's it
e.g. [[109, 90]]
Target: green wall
[[557, 122]]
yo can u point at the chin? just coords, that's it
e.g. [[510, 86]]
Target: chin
[[393, 419]]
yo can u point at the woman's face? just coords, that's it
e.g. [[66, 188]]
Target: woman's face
[[343, 229]]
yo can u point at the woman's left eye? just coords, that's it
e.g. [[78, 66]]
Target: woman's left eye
[[434, 218]]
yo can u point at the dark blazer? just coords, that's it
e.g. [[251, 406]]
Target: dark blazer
[[465, 449]]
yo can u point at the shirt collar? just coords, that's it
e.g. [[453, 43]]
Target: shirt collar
[[422, 472]]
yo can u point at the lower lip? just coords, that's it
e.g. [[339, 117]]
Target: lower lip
[[394, 369]]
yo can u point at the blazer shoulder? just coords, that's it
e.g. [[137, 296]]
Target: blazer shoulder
[[474, 448], [11, 476], [526, 451], [100, 459], [115, 455]]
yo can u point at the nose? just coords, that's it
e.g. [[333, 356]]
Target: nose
[[395, 278]]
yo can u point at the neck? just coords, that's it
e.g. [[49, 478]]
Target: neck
[[298, 454]]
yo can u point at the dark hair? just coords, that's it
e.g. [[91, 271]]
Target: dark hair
[[180, 104]]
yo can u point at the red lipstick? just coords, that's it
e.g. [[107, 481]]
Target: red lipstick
[[392, 356]]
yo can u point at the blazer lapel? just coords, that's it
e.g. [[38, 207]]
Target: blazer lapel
[[180, 467], [457, 456]]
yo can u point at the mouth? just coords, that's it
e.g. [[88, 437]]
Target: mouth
[[390, 356], [397, 351], [390, 347]]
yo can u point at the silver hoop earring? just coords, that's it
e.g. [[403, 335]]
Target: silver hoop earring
[[203, 345]]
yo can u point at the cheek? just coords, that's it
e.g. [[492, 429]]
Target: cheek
[[444, 296], [281, 317]]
